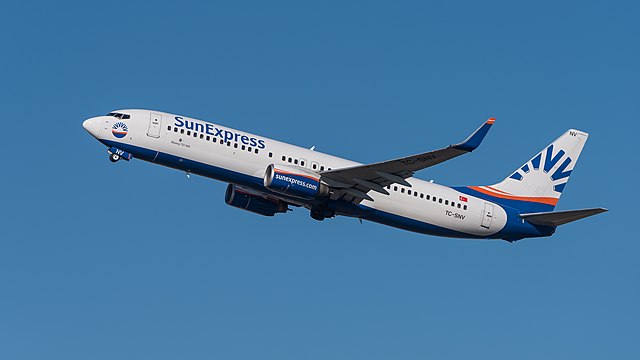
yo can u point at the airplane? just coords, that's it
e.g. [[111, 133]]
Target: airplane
[[268, 177]]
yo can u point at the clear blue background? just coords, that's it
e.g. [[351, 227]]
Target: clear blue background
[[131, 261]]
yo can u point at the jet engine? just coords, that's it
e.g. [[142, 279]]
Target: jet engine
[[254, 203], [294, 182]]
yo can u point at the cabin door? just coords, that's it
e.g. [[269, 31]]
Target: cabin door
[[155, 125], [487, 215]]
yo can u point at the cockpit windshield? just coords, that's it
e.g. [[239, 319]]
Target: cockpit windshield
[[119, 115]]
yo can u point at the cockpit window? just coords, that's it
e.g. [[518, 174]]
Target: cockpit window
[[119, 115]]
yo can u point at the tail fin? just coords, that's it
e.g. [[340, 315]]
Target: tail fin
[[538, 184]]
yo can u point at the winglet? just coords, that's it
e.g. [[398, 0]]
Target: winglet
[[473, 141]]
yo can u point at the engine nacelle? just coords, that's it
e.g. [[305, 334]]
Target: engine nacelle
[[254, 203], [294, 182]]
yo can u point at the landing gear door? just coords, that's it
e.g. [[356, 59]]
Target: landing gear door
[[487, 215], [155, 124]]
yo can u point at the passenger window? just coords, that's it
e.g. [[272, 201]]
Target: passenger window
[[188, 132], [458, 205], [415, 193], [221, 141], [243, 147], [181, 131], [421, 196], [295, 161], [270, 153], [402, 190], [255, 151], [446, 202], [249, 148], [314, 166], [201, 136], [301, 162], [395, 188], [290, 160], [428, 196], [235, 145], [465, 207], [169, 128], [195, 135], [229, 143], [453, 204], [284, 158], [409, 192], [440, 200], [208, 137], [175, 129], [321, 168]]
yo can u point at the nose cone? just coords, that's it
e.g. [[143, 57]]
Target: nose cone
[[92, 126]]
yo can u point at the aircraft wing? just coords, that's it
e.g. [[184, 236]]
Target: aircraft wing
[[353, 183]]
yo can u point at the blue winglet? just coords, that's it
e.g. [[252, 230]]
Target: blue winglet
[[476, 138]]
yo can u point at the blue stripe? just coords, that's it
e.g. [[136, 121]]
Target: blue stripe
[[560, 173], [191, 166], [514, 230], [516, 176], [522, 206], [536, 161], [559, 188], [405, 223]]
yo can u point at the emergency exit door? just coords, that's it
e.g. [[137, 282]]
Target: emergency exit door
[[487, 215], [155, 125]]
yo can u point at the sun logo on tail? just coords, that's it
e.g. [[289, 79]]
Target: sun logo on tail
[[559, 175], [119, 130]]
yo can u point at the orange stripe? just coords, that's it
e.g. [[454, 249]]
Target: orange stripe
[[290, 173], [500, 191], [491, 121], [541, 200]]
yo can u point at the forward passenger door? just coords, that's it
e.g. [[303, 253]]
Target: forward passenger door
[[155, 125]]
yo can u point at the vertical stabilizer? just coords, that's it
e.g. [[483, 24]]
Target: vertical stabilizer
[[539, 182]]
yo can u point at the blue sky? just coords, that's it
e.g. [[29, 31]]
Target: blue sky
[[134, 261]]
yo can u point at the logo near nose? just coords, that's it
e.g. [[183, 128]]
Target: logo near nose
[[119, 130]]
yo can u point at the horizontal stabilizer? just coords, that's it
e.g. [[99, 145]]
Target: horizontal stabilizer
[[557, 218]]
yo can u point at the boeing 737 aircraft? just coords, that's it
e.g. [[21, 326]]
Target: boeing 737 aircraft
[[267, 177]]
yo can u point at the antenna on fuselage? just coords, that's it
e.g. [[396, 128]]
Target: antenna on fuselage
[[188, 174], [313, 148]]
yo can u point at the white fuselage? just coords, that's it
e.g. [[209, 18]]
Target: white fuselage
[[167, 139]]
